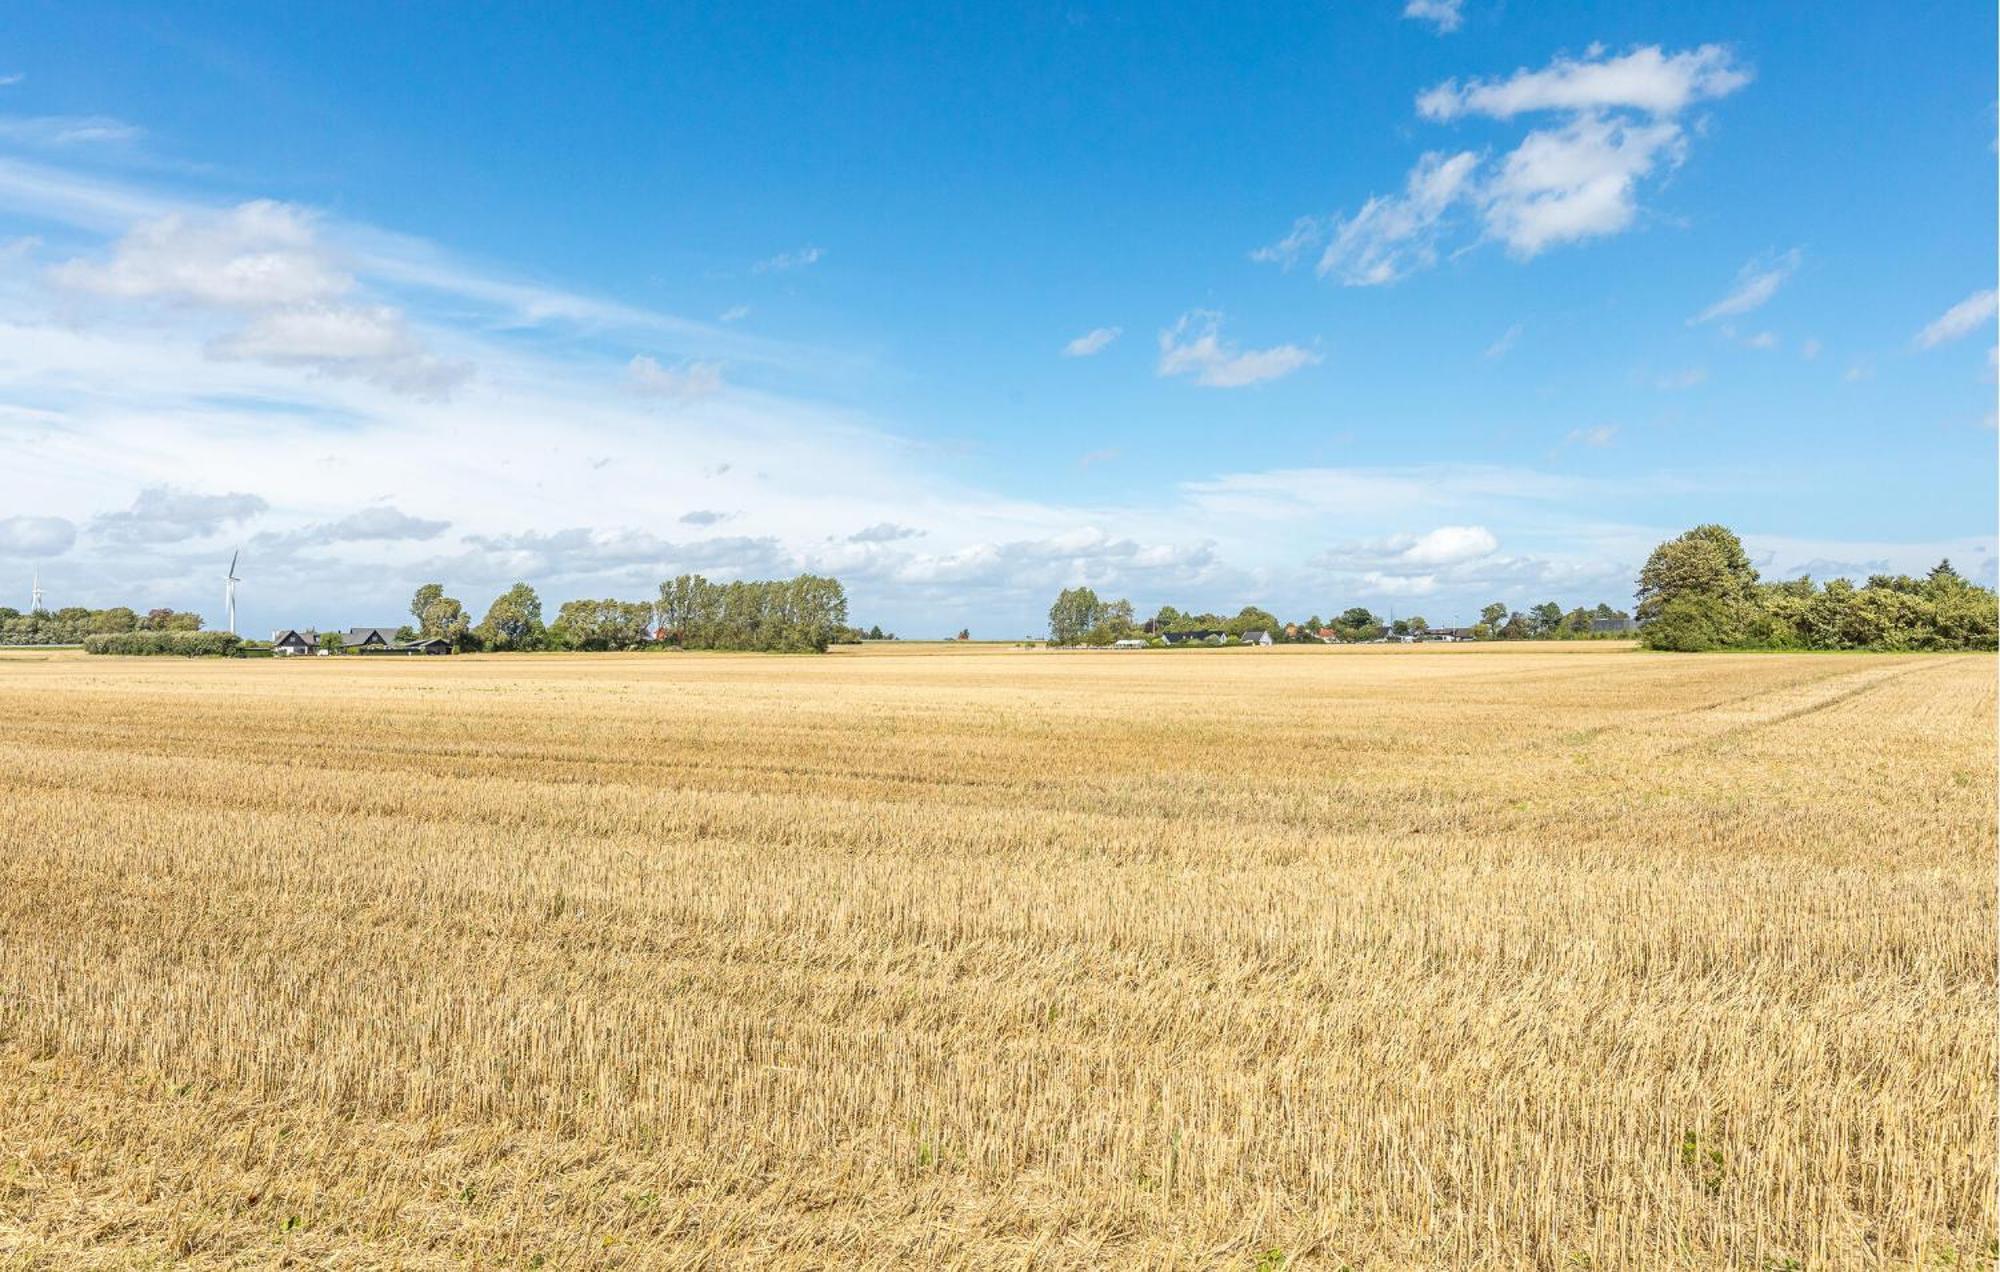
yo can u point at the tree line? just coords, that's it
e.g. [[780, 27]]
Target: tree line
[[1080, 617], [797, 615], [72, 624], [1699, 592]]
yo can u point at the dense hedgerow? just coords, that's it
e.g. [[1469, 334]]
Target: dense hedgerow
[[183, 644]]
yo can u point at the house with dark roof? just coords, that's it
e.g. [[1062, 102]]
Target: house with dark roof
[[382, 640], [362, 640], [293, 641], [1258, 638], [1198, 637]]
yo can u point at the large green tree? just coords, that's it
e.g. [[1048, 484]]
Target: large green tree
[[513, 621], [1075, 612], [1707, 561]]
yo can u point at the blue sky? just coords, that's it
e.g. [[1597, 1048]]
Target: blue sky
[[1411, 305]]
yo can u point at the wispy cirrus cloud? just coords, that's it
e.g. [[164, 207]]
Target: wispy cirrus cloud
[[1194, 347], [797, 258], [1756, 283], [1092, 342], [1966, 316], [67, 130]]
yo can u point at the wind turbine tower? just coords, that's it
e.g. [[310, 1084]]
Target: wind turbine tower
[[36, 606], [229, 582]]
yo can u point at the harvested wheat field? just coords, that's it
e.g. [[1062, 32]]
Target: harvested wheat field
[[1570, 956]]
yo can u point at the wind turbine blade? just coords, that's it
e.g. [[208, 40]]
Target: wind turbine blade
[[232, 562]]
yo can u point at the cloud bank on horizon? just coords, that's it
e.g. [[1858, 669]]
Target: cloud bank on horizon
[[189, 366]]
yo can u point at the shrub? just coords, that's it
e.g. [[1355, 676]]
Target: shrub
[[183, 644]]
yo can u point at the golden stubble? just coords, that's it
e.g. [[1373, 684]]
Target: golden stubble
[[1556, 957]]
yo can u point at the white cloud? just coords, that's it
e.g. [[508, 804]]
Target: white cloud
[[685, 383], [798, 258], [1504, 345], [1450, 545], [1194, 347], [170, 514], [1575, 179], [372, 343], [385, 523], [1761, 340], [1678, 380], [255, 256], [1445, 15], [1092, 342], [735, 313], [703, 517], [1756, 283], [1575, 182], [1646, 79], [1394, 234], [36, 536], [884, 532], [266, 262], [1809, 349], [1600, 435], [1967, 315], [67, 130]]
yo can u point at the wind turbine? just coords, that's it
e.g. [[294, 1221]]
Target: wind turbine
[[229, 582], [36, 608]]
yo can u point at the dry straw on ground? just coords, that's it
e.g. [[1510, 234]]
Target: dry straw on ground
[[1558, 957]]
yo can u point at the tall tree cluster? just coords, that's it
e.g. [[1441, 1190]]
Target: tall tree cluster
[[797, 615], [1699, 591]]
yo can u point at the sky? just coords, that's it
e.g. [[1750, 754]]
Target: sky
[[1411, 304]]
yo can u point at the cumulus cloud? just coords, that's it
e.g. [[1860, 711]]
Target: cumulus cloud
[[255, 256], [1577, 178], [1575, 182], [1194, 347], [265, 261], [687, 382], [1756, 283], [371, 343], [1966, 316], [1091, 342], [883, 532], [798, 258], [169, 514], [382, 522], [1445, 15], [36, 536], [1408, 564]]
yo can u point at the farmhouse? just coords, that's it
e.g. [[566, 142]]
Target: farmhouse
[[1449, 633], [1257, 638], [382, 640], [361, 640], [293, 641], [1200, 636]]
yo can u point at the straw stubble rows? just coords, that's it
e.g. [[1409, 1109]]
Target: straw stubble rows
[[1548, 957]]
